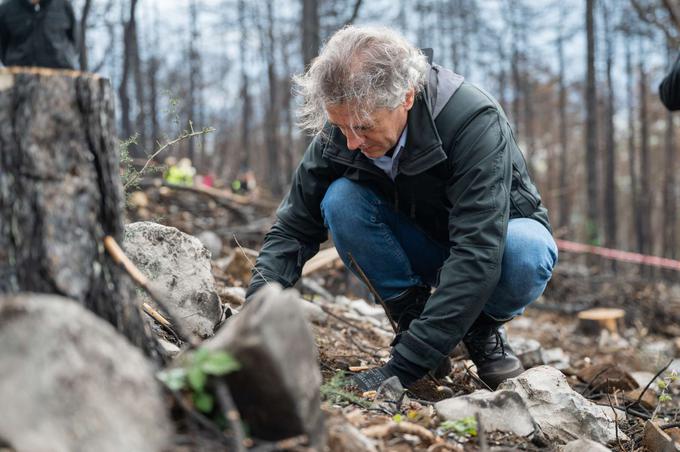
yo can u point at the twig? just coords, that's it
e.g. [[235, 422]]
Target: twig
[[363, 348], [151, 312], [590, 388], [671, 425], [616, 420], [296, 443], [250, 262], [231, 414], [477, 379], [200, 419], [649, 384], [185, 135], [345, 321], [366, 281], [481, 434], [123, 261]]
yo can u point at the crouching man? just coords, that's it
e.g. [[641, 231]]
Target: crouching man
[[416, 173]]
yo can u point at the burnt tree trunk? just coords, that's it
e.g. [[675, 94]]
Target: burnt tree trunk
[[60, 193]]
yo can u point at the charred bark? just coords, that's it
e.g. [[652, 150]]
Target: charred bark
[[60, 193]]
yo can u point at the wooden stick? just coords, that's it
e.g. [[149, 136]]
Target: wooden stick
[[165, 323], [119, 257], [231, 414], [156, 315], [366, 281]]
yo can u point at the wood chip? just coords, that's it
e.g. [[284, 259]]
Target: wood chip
[[657, 440]]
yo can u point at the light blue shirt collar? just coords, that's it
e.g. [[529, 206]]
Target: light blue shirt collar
[[390, 164]]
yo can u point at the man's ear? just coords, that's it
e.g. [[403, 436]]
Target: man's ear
[[410, 98]]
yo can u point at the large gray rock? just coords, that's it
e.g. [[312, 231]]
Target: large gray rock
[[277, 388], [503, 411], [585, 445], [560, 412], [179, 265], [69, 382]]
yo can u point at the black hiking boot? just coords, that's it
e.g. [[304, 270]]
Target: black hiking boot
[[406, 308], [487, 345]]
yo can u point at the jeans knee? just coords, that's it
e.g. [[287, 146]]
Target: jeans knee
[[335, 198], [346, 201], [531, 255]]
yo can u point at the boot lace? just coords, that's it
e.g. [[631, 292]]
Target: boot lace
[[486, 344]]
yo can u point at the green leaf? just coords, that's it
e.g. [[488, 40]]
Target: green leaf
[[203, 402], [201, 355], [219, 363], [175, 379], [398, 418], [665, 398], [197, 378], [466, 426]]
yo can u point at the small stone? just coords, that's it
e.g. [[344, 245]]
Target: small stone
[[527, 350], [390, 396], [168, 348], [343, 436], [556, 357], [656, 354], [643, 378], [212, 242], [313, 312], [363, 308]]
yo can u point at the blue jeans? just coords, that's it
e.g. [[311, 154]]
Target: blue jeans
[[395, 254]]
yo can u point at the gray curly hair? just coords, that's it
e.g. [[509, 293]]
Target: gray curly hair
[[371, 67]]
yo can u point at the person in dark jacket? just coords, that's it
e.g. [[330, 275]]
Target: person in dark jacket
[[416, 174], [669, 89], [38, 33]]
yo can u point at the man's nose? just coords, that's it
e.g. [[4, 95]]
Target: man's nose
[[354, 141]]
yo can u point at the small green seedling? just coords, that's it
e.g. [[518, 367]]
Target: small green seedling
[[334, 391], [193, 375], [465, 427]]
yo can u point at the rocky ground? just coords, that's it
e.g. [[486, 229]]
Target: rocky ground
[[596, 383]]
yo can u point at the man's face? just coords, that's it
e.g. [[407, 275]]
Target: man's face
[[375, 135]]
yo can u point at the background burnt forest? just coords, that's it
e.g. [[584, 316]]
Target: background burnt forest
[[211, 81]]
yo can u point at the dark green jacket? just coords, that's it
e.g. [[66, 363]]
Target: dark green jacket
[[461, 177], [44, 37], [669, 89]]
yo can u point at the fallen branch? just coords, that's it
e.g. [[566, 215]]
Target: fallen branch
[[391, 428]]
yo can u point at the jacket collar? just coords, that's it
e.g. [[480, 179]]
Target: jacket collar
[[423, 148]]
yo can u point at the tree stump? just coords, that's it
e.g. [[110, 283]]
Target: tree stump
[[592, 321], [60, 193]]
